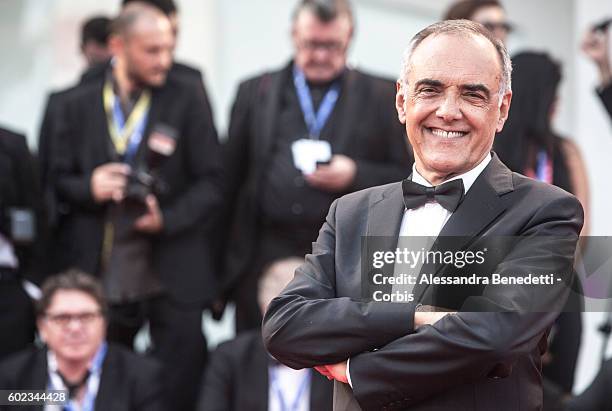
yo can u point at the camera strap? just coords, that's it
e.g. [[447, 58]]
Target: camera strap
[[126, 134]]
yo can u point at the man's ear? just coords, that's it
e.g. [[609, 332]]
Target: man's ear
[[400, 101], [42, 330], [115, 44], [504, 110]]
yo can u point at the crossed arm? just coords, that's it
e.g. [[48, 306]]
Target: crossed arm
[[308, 325]]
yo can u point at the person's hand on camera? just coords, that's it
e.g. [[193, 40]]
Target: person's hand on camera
[[108, 182], [152, 222], [596, 46], [336, 176]]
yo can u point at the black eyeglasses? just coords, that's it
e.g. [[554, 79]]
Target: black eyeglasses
[[492, 26], [63, 320]]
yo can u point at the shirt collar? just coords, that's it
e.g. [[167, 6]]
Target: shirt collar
[[468, 177], [94, 366]]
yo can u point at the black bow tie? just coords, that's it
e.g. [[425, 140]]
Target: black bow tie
[[448, 194]]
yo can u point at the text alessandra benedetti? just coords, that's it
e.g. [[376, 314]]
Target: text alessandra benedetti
[[495, 279]]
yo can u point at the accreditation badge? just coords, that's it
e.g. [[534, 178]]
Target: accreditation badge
[[162, 140], [307, 153]]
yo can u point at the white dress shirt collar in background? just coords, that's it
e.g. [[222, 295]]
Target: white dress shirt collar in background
[[293, 386], [8, 258]]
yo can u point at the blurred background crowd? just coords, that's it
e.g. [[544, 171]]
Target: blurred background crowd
[[166, 164]]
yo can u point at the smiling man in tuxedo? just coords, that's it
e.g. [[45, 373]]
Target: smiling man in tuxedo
[[453, 96]]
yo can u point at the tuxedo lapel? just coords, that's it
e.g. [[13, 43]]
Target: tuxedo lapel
[[482, 203], [386, 212], [384, 222], [480, 207]]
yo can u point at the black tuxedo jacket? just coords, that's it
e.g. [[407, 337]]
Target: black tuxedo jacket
[[192, 174], [369, 133], [128, 381], [321, 318], [237, 378], [19, 188]]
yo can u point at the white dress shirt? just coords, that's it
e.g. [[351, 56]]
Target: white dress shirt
[[428, 220], [7, 253]]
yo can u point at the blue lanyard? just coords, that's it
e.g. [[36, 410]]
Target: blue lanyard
[[314, 122], [279, 392], [136, 137], [542, 166]]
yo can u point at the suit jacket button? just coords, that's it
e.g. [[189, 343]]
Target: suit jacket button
[[297, 209]]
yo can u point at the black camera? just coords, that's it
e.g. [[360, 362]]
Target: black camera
[[141, 183], [18, 224], [145, 178]]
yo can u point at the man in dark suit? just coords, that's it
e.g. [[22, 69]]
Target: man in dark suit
[[139, 168], [299, 138], [21, 234], [243, 376], [454, 94], [53, 118], [71, 321]]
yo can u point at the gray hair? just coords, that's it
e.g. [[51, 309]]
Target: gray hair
[[460, 27], [325, 10]]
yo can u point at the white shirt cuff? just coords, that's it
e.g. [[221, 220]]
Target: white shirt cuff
[[348, 373]]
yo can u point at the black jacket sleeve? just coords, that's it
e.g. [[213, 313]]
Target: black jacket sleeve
[[308, 325]]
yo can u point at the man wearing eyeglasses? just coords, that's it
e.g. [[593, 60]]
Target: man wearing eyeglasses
[[489, 13], [77, 360], [299, 138]]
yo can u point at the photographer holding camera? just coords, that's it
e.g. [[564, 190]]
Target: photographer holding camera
[[596, 45], [19, 242], [137, 171]]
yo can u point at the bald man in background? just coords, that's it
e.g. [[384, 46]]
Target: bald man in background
[[137, 165], [53, 118], [242, 375]]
